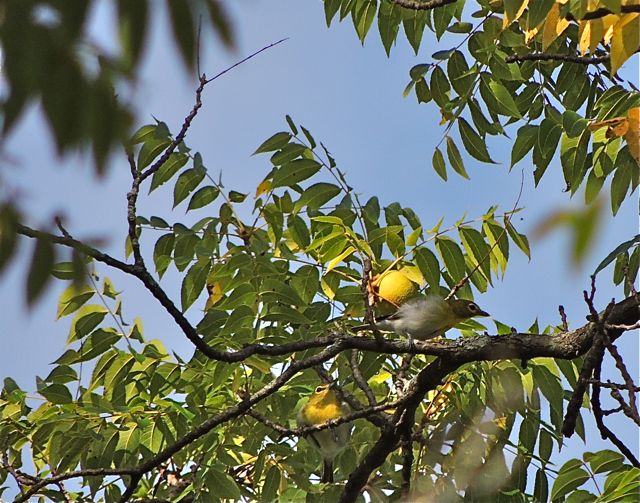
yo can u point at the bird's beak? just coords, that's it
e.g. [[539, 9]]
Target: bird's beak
[[482, 313]]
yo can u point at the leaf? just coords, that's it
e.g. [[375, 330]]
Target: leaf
[[574, 124], [452, 257], [459, 76], [621, 248], [473, 143], [626, 33], [186, 183], [336, 261], [86, 319], [42, 262], [389, 18], [56, 394], [505, 99], [317, 195], [203, 197], [453, 154], [620, 186], [439, 86], [194, 282], [604, 461], [520, 240], [570, 477], [294, 172], [271, 485], [173, 164], [525, 140], [438, 164], [221, 486], [429, 266], [477, 248], [275, 142], [364, 18]]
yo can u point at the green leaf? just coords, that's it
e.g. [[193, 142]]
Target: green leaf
[[56, 394], [168, 170], [162, 253], [570, 477], [184, 30], [203, 197], [271, 485], [316, 195], [477, 248], [473, 143], [505, 99], [72, 298], [520, 240], [438, 164], [453, 154], [620, 186], [452, 257], [186, 183], [459, 77], [275, 142], [389, 18], [194, 282], [42, 263], [604, 461], [151, 149], [525, 140], [439, 86], [364, 18], [294, 172], [429, 266], [87, 318], [574, 124], [221, 486], [621, 248]]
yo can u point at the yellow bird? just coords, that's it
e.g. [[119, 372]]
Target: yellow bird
[[322, 406]]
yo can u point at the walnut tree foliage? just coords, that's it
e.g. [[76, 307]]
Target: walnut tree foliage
[[276, 274]]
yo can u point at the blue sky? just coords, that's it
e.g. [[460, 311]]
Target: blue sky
[[350, 97]]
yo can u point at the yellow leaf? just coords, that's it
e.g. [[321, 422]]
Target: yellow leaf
[[611, 123], [633, 133], [334, 262], [215, 294], [263, 187], [553, 26], [584, 37], [326, 288], [529, 35], [625, 40], [506, 21]]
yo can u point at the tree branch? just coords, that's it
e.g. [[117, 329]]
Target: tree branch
[[583, 60], [418, 5], [603, 11]]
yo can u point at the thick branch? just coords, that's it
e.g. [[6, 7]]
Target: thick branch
[[418, 5], [583, 60], [603, 11]]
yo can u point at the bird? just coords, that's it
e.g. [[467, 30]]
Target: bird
[[322, 406], [424, 318]]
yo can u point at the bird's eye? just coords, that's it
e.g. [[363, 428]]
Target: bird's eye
[[319, 389], [473, 307]]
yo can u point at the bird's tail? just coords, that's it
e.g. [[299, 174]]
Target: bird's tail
[[327, 472]]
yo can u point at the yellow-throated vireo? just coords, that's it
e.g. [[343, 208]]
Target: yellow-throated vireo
[[322, 406], [427, 317]]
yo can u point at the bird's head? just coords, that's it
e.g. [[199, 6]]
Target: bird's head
[[465, 309], [324, 394]]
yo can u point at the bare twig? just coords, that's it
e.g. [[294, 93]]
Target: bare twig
[[563, 318], [359, 379]]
